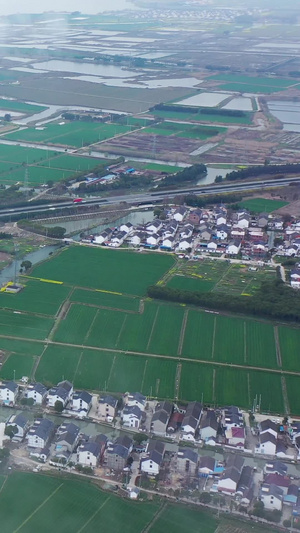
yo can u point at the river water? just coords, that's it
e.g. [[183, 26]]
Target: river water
[[42, 253]]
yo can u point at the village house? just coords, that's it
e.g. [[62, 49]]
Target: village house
[[103, 237], [280, 481], [127, 227], [67, 439], [168, 242], [185, 244], [186, 231], [233, 248], [155, 454], [222, 232], [154, 226], [245, 486], [291, 497], [232, 417], [137, 238], [235, 437], [268, 426], [118, 453], [206, 465], [91, 452], [161, 417], [271, 496], [40, 433], [209, 425], [212, 246], [132, 416], [195, 216], [267, 444], [187, 461], [243, 220], [20, 425], [135, 398], [237, 233], [81, 403], [37, 392], [295, 277], [262, 220], [175, 422], [191, 421], [170, 230], [8, 392], [107, 408], [276, 467], [229, 480], [205, 234], [153, 239], [180, 213], [61, 393], [118, 239]]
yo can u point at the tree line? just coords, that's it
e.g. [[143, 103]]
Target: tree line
[[273, 300], [244, 173]]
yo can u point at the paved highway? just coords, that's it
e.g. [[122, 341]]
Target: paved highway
[[150, 197]]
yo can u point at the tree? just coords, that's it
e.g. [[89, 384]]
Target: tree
[[7, 117], [205, 497], [139, 437], [10, 431], [287, 523], [259, 509], [218, 179], [26, 264], [58, 406]]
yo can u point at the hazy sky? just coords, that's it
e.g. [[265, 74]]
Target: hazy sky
[[37, 6]]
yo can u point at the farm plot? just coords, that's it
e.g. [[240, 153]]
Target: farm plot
[[158, 379], [21, 346], [105, 329], [173, 517], [74, 329], [17, 366], [248, 82], [260, 344], [93, 370], [21, 107], [239, 280], [196, 382], [126, 373], [292, 386], [231, 387], [21, 325], [36, 297], [58, 363], [229, 341], [44, 502], [164, 337], [73, 163], [198, 338], [136, 335], [21, 154], [267, 388], [259, 205], [289, 339], [216, 118], [37, 175], [105, 299], [75, 134], [184, 130], [111, 270], [190, 284]]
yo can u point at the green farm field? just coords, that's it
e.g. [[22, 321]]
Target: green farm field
[[22, 107], [111, 270], [44, 503], [115, 342], [76, 134], [259, 205], [37, 297], [184, 130], [254, 84], [201, 117]]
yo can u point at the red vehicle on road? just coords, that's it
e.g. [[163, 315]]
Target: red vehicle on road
[[77, 200]]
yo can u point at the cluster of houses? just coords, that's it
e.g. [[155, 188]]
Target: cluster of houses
[[278, 489], [216, 230]]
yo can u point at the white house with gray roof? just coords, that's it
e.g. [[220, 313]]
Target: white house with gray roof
[[20, 424], [40, 433], [81, 403], [37, 392], [155, 454], [61, 393], [8, 392]]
